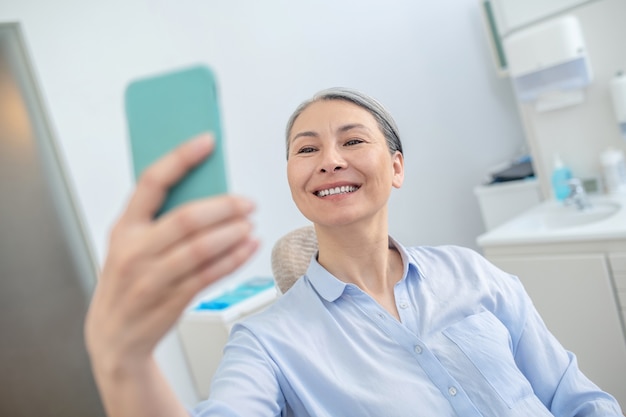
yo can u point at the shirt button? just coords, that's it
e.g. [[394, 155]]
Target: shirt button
[[452, 391], [381, 316], [418, 349], [404, 304]]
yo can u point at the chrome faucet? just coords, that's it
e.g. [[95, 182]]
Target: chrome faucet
[[577, 195]]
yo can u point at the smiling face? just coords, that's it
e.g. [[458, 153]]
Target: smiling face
[[339, 167]]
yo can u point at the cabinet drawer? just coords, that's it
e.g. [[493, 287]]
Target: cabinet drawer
[[618, 262], [620, 284], [620, 281], [622, 299]]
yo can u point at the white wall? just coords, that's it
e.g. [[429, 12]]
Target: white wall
[[427, 61]]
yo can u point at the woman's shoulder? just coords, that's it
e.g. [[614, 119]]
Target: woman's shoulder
[[444, 253], [288, 310], [458, 263]]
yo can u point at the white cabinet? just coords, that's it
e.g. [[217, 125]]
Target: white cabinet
[[577, 291], [501, 202], [617, 262]]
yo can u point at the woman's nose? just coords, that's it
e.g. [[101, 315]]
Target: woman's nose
[[332, 161]]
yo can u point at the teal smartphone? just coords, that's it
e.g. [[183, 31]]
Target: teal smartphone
[[165, 110]]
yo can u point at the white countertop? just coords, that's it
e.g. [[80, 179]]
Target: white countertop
[[530, 226]]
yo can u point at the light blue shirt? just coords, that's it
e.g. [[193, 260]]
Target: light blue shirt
[[469, 343]]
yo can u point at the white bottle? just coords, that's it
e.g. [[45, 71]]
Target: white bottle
[[614, 170]]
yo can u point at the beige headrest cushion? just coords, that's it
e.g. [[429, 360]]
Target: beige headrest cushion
[[291, 256]]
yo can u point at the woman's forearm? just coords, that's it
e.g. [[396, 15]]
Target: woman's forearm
[[137, 390]]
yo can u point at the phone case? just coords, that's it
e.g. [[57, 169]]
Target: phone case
[[165, 110]]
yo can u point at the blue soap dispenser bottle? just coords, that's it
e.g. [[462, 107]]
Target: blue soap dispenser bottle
[[560, 179]]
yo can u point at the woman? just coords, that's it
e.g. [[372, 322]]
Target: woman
[[372, 329]]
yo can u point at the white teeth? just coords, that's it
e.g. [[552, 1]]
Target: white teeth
[[337, 190]]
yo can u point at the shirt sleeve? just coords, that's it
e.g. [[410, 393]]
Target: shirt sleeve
[[552, 371], [245, 383]]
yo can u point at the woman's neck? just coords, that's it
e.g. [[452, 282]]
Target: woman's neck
[[361, 256]]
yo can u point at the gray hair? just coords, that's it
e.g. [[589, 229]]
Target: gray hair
[[385, 122]]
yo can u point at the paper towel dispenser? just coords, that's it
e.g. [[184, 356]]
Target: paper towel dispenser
[[548, 63]]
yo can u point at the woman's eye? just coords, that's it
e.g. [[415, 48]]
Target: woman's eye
[[306, 149], [353, 142]]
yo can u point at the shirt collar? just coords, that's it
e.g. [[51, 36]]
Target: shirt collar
[[330, 287]]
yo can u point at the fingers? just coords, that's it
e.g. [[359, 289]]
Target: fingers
[[169, 308], [158, 178], [203, 249], [226, 264], [194, 218], [128, 321]]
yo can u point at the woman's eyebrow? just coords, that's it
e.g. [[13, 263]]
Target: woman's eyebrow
[[341, 129], [351, 126], [308, 133]]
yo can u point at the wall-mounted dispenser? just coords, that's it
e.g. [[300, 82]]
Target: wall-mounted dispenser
[[548, 63], [618, 94]]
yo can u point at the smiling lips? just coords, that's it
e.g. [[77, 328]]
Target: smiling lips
[[344, 189]]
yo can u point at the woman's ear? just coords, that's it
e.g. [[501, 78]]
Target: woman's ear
[[397, 161]]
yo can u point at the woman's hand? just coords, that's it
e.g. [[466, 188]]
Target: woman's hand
[[155, 267]]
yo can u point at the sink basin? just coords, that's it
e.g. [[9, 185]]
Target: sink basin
[[551, 221], [557, 217]]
